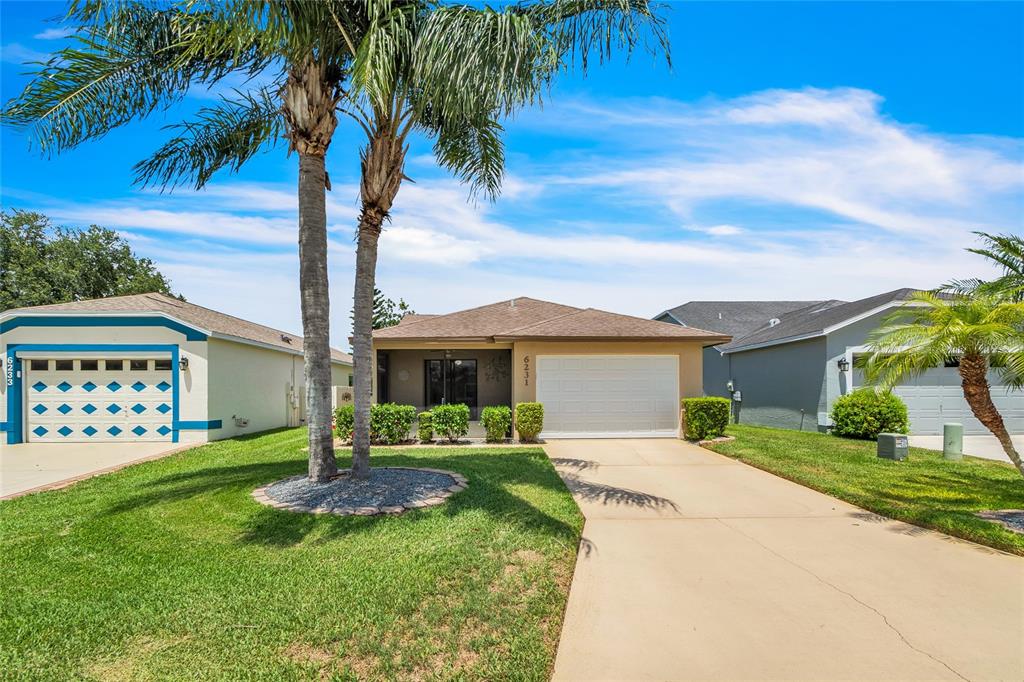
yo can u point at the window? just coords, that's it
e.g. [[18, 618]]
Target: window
[[162, 364], [65, 365], [114, 365], [39, 365], [139, 365], [351, 381], [951, 362], [88, 365]]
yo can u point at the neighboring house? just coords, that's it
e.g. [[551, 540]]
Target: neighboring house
[[790, 370], [147, 367], [732, 318], [598, 374]]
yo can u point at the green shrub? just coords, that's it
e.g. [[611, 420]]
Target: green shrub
[[389, 423], [344, 418], [450, 421], [496, 421], [705, 417], [426, 427], [529, 421], [865, 414]]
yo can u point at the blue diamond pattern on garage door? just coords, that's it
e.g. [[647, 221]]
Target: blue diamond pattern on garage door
[[92, 405]]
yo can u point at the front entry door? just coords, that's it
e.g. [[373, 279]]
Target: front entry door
[[451, 382]]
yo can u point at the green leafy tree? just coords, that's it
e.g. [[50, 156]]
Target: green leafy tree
[[129, 59], [978, 331], [1005, 251], [42, 264], [387, 313]]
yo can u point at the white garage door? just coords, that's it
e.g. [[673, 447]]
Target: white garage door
[[113, 400], [608, 396], [936, 398]]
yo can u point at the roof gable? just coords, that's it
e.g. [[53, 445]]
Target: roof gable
[[736, 318]]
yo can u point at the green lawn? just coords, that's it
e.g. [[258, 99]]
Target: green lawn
[[170, 570], [924, 489]]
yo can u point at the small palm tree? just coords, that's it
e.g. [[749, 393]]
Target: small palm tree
[[1005, 251], [129, 59], [980, 332], [453, 73]]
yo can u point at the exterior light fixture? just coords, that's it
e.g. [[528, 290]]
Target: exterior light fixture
[[183, 364], [843, 365]]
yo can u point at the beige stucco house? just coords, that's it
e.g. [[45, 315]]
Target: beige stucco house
[[147, 368], [598, 374]]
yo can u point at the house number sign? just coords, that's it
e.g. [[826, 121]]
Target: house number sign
[[526, 370], [10, 370]]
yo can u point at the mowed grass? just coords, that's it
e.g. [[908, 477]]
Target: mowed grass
[[169, 570], [924, 489]]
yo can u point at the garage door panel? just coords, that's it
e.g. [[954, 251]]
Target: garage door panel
[[87, 405], [608, 395]]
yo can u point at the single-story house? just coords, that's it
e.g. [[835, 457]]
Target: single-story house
[[789, 369], [598, 374], [147, 367]]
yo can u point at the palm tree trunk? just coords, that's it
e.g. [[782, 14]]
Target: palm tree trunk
[[362, 339], [973, 370], [313, 285], [383, 162]]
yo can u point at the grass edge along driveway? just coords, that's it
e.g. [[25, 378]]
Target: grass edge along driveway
[[169, 569], [924, 490]]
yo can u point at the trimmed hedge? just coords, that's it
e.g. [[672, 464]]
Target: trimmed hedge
[[426, 427], [450, 421], [496, 420], [705, 417], [865, 414], [389, 423], [529, 421]]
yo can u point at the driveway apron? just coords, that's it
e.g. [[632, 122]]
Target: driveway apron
[[696, 567]]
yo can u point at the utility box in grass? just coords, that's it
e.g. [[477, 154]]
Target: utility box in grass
[[893, 446]]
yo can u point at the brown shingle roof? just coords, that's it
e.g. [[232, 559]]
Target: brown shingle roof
[[526, 318], [189, 313]]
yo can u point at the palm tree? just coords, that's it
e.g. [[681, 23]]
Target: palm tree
[[1005, 251], [453, 73], [979, 332], [129, 59]]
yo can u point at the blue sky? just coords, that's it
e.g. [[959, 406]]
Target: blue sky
[[796, 150]]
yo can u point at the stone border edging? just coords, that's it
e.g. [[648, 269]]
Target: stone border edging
[[260, 495]]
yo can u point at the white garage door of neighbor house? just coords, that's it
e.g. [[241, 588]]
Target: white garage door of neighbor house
[[936, 398], [93, 400], [609, 396]]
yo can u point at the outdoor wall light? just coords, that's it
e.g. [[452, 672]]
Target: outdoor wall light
[[183, 364], [843, 365]]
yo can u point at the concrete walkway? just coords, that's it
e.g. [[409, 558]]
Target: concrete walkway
[[986, 447], [32, 467], [697, 567]]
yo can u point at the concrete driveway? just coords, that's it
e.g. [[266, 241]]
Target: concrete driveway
[[986, 447], [697, 567], [30, 467]]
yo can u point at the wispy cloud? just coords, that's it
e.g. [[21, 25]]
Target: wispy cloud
[[56, 33], [16, 53]]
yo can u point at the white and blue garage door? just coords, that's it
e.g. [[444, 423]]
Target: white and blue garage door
[[937, 397], [609, 396], [98, 399]]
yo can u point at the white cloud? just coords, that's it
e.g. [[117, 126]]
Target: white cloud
[[56, 33], [16, 53]]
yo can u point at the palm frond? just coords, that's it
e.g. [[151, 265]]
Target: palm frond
[[475, 153], [224, 135]]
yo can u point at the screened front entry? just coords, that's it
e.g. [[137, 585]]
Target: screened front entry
[[449, 382]]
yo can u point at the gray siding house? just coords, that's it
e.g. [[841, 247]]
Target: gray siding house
[[788, 369]]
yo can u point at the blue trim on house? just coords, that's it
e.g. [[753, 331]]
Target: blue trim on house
[[3, 426], [191, 334], [16, 397], [198, 425]]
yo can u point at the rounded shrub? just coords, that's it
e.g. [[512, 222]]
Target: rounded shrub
[[390, 423], [867, 413], [529, 421], [450, 421], [705, 417], [496, 420], [425, 430], [344, 419]]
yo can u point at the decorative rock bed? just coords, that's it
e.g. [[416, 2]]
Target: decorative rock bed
[[1011, 519], [388, 490]]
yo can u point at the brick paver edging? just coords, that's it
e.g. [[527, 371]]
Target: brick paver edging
[[260, 495]]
